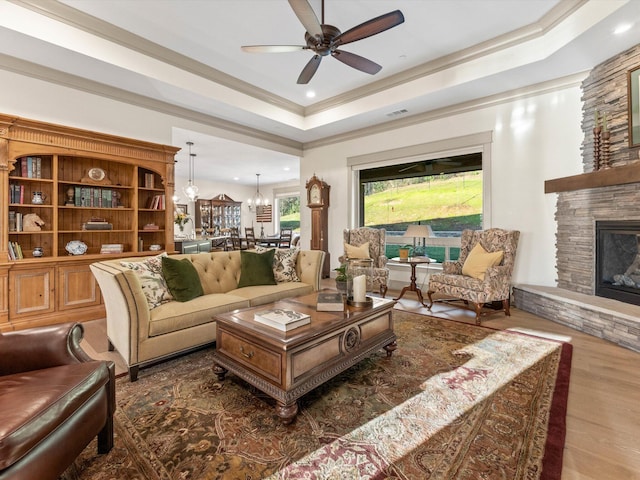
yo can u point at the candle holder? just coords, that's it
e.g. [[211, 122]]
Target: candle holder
[[359, 282]]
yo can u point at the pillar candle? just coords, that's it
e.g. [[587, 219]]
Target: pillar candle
[[360, 288]]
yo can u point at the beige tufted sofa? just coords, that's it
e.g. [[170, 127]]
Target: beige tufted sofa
[[143, 336]]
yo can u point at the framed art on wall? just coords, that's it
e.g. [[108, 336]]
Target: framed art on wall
[[634, 107], [182, 208]]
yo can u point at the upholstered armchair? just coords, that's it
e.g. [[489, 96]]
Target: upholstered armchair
[[55, 400], [482, 274], [376, 238]]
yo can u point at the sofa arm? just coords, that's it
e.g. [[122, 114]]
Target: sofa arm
[[127, 308], [41, 347], [309, 267]]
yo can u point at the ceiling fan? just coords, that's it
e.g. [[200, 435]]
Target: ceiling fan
[[323, 40]]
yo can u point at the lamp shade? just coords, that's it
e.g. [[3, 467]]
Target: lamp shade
[[418, 231]]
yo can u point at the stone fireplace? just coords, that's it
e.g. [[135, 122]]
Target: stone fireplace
[[597, 215], [617, 262]]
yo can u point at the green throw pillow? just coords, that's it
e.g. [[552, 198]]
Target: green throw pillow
[[256, 269], [182, 279]]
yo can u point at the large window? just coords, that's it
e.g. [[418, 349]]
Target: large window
[[444, 193]]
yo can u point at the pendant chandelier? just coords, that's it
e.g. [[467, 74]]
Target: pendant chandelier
[[191, 190], [258, 199]]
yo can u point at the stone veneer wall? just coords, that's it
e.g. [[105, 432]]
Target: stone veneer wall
[[573, 303], [604, 89]]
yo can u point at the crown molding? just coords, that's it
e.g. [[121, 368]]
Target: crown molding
[[80, 20], [50, 75], [94, 26], [557, 14], [549, 86]]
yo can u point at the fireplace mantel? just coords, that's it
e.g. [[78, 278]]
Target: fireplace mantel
[[601, 178]]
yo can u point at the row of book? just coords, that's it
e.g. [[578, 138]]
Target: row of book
[[16, 193], [29, 167], [96, 197], [157, 202], [149, 180], [15, 251], [15, 221]]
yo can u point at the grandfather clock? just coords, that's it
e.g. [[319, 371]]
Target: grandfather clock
[[318, 202]]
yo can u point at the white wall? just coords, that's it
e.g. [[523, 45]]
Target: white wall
[[535, 138]]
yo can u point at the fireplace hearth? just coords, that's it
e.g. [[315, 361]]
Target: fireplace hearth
[[618, 260]]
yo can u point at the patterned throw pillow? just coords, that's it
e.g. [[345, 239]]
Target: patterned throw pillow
[[153, 284], [284, 263]]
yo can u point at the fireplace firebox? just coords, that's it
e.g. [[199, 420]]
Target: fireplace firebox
[[618, 260]]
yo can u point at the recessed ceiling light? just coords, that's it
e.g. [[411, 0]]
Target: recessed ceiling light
[[286, 169], [311, 94], [622, 28], [236, 178]]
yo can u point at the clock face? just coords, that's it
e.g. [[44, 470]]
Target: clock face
[[314, 194], [96, 174]]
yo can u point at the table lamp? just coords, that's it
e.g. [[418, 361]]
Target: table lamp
[[418, 231]]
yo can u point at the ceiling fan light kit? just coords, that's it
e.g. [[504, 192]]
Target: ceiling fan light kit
[[324, 40]]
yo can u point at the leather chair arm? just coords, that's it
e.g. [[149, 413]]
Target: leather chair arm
[[41, 347]]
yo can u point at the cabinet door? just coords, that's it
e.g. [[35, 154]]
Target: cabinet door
[[77, 287], [32, 291]]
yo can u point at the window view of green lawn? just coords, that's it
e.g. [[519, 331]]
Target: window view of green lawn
[[449, 203], [289, 210]]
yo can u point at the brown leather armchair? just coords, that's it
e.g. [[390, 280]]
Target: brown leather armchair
[[54, 400]]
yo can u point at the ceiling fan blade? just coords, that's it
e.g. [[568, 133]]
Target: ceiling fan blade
[[357, 62], [309, 70], [273, 48], [307, 17], [369, 28]]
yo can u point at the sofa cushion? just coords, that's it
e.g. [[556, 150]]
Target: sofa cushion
[[182, 279], [261, 294], [40, 401], [256, 268], [154, 286], [175, 316], [479, 260], [284, 263]]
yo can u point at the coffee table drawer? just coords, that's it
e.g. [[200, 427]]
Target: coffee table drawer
[[256, 358]]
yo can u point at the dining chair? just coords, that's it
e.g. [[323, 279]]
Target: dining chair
[[236, 241], [250, 236], [285, 238]]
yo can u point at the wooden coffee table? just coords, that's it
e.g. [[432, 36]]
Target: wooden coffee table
[[286, 365]]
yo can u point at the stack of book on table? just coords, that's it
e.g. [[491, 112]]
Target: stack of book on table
[[282, 319], [330, 302]]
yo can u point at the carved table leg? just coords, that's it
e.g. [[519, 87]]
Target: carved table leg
[[287, 412], [391, 348], [220, 371]]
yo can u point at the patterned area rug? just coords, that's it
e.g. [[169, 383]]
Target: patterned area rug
[[454, 401]]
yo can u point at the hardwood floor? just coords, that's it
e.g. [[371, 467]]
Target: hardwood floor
[[603, 415]]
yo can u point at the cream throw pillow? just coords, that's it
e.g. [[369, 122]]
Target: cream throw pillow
[[152, 280], [479, 260], [361, 251]]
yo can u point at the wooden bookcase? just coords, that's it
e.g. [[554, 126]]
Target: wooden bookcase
[[123, 186]]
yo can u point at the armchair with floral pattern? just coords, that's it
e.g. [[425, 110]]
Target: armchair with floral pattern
[[496, 284], [377, 240]]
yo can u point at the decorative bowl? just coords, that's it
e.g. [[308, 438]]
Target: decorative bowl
[[76, 247]]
